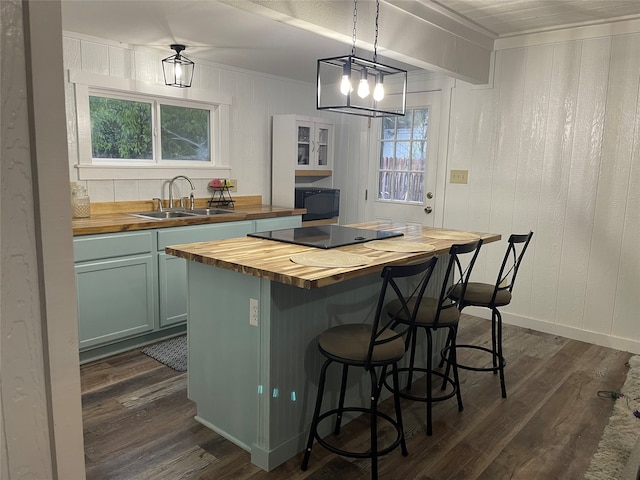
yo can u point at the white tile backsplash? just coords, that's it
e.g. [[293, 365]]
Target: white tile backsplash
[[125, 190], [101, 190]]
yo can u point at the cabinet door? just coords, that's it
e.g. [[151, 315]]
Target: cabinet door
[[305, 136], [115, 299], [323, 145], [172, 271], [172, 284]]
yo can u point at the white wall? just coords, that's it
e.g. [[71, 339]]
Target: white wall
[[554, 146], [255, 98], [41, 418]]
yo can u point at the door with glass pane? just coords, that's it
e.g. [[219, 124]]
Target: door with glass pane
[[403, 163]]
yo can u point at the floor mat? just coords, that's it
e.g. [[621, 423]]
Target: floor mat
[[172, 352]]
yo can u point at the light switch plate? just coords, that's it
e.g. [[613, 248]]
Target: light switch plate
[[459, 176]]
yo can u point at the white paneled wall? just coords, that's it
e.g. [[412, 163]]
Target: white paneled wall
[[255, 98], [554, 146]]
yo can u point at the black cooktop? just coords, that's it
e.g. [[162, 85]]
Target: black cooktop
[[325, 236]]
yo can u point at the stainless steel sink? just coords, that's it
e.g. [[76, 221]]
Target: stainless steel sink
[[166, 215], [171, 214], [211, 211]]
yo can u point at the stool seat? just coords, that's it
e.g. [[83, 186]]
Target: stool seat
[[351, 343], [428, 311], [481, 295]]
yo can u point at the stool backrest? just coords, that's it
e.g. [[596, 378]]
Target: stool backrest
[[383, 323], [457, 276], [511, 262]]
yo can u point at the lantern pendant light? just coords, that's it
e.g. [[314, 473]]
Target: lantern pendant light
[[178, 69], [336, 76]]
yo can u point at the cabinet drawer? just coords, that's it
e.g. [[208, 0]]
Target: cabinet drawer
[[203, 233], [95, 247], [267, 224]]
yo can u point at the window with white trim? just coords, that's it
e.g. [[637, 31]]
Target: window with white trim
[[136, 130], [131, 130]]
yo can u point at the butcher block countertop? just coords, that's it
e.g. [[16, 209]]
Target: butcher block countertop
[[112, 217], [271, 259]]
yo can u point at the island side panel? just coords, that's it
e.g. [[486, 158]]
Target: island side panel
[[295, 319], [223, 351]]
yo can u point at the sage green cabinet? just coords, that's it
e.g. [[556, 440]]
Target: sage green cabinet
[[172, 278], [130, 292], [115, 280], [278, 223]]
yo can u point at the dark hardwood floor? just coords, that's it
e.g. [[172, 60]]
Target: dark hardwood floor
[[138, 422]]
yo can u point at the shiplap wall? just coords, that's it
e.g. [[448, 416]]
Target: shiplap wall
[[255, 98], [553, 146]]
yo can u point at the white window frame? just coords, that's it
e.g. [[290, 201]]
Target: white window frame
[[106, 169]]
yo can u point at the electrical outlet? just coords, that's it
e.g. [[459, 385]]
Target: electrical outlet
[[253, 312], [459, 176]]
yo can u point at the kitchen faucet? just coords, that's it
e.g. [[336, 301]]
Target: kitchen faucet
[[171, 190]]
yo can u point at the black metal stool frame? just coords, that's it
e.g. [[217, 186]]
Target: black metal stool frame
[[499, 297], [377, 338], [446, 315]]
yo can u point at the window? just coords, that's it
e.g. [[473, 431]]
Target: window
[[132, 129], [129, 129], [403, 157]]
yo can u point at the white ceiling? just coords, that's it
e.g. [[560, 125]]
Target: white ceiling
[[216, 32]]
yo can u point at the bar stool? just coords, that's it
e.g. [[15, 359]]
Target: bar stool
[[494, 296], [369, 346], [434, 314]]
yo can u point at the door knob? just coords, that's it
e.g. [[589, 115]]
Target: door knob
[[428, 210], [429, 195]]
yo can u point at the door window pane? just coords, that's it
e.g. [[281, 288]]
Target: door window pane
[[403, 157], [185, 133]]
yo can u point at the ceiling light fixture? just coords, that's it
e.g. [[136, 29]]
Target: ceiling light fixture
[[178, 69], [336, 79]]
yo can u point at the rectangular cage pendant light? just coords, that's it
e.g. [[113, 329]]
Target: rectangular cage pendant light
[[356, 86]]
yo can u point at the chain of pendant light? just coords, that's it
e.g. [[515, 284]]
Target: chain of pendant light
[[355, 22]]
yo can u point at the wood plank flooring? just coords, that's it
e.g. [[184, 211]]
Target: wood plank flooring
[[138, 422]]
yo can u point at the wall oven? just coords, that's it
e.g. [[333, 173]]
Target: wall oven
[[320, 203]]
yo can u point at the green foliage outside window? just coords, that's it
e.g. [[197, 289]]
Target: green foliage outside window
[[185, 133], [123, 129], [120, 128]]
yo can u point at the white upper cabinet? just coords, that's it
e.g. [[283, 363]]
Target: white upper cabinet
[[302, 154]]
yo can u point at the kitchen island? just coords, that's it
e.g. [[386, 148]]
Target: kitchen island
[[254, 317]]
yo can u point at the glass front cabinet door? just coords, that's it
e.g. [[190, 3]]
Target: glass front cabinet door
[[314, 145]]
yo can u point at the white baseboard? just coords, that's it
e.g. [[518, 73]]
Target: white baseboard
[[610, 341]]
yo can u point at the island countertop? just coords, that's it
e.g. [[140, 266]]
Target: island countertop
[[271, 259]]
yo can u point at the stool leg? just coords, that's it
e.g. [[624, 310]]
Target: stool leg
[[316, 414], [454, 362], [396, 401], [500, 357], [429, 368], [494, 336], [412, 358], [343, 390], [373, 424], [449, 360]]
